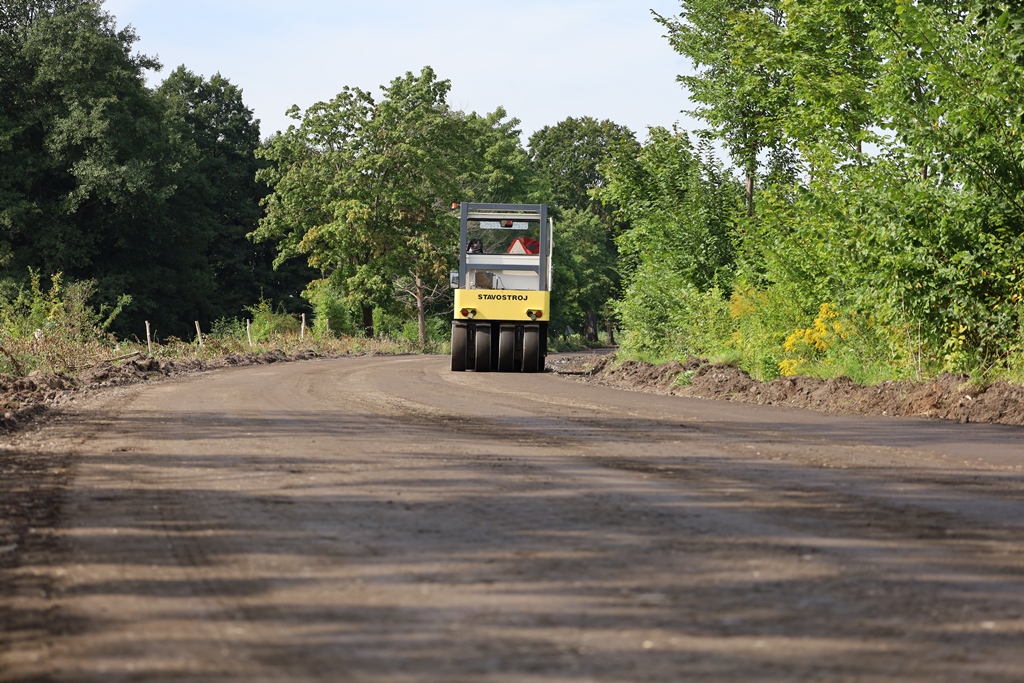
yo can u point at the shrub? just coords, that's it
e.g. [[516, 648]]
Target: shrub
[[55, 330], [268, 323], [331, 313]]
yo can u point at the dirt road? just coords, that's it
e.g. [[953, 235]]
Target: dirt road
[[383, 519]]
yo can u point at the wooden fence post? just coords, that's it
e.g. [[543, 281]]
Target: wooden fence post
[[149, 339], [199, 334], [302, 332], [248, 331]]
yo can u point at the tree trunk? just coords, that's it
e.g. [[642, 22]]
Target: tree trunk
[[368, 321], [750, 194], [421, 313], [590, 326]]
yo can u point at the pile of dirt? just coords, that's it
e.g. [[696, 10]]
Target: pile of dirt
[[948, 397], [23, 399]]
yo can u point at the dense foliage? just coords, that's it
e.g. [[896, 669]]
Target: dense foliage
[[677, 253], [364, 189], [145, 193], [882, 232]]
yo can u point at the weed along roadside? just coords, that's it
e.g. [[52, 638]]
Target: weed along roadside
[[54, 345]]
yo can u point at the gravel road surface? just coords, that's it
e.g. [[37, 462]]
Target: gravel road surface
[[383, 519]]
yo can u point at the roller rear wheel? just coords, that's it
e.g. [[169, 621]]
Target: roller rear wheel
[[460, 335], [483, 348], [531, 349], [507, 348]]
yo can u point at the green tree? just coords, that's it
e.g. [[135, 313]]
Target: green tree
[[682, 210], [363, 188], [742, 86], [499, 169], [102, 179], [584, 270], [567, 157], [84, 159], [215, 137], [832, 65]]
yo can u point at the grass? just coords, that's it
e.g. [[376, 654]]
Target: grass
[[54, 329]]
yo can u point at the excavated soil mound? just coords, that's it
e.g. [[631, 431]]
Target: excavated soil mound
[[949, 397], [22, 399]]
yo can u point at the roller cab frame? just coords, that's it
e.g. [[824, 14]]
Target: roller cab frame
[[502, 288]]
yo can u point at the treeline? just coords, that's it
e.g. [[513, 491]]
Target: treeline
[[147, 193], [168, 204], [875, 225]]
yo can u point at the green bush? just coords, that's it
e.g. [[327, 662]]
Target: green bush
[[438, 330], [228, 328], [268, 323], [332, 315], [666, 317]]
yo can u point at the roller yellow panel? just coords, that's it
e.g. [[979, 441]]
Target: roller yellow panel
[[502, 304]]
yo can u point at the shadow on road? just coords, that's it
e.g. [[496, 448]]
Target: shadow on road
[[358, 547]]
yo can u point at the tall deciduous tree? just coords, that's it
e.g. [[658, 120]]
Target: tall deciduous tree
[[214, 138], [499, 170], [741, 86], [101, 178], [363, 188], [585, 274], [832, 65], [83, 155], [568, 157]]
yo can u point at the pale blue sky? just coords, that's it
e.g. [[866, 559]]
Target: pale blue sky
[[541, 60]]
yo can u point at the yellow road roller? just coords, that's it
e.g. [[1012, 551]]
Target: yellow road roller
[[502, 288]]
